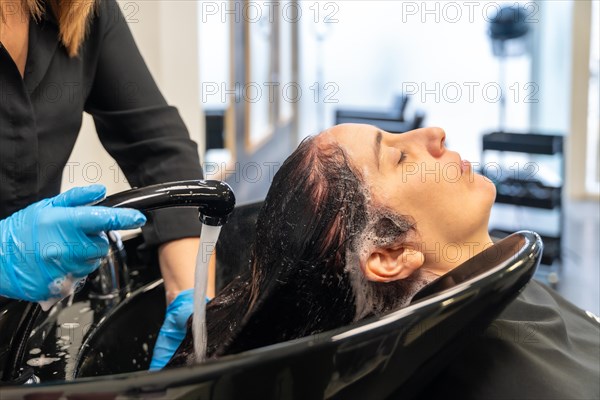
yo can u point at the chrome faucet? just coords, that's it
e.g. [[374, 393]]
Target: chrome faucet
[[111, 279]]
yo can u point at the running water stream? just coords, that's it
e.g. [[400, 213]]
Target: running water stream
[[208, 240]]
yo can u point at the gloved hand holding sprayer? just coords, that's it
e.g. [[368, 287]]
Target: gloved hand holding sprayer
[[49, 246]]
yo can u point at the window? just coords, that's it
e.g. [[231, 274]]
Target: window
[[592, 178]]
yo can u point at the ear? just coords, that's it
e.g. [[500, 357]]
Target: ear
[[387, 265]]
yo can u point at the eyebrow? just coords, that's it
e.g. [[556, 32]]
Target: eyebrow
[[377, 147]]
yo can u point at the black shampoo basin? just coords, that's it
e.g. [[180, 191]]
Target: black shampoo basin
[[394, 355]]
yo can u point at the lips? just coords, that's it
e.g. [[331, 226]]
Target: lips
[[465, 165]]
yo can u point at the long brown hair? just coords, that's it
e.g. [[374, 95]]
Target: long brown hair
[[73, 18], [303, 278]]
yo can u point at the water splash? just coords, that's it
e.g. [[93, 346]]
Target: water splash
[[208, 240]]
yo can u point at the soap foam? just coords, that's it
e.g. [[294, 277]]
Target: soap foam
[[383, 229], [41, 361], [61, 288]]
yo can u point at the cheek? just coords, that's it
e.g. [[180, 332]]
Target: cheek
[[451, 173], [426, 191], [413, 192]]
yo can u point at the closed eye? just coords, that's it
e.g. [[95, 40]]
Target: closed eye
[[402, 157]]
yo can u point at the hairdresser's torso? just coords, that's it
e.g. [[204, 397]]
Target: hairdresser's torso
[[44, 92]]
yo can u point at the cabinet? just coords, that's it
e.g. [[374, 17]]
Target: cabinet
[[534, 181]]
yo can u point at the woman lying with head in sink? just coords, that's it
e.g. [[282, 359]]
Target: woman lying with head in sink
[[356, 221]]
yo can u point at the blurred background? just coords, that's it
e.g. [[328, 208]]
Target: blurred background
[[514, 85]]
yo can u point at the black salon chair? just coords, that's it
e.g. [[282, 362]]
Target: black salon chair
[[398, 353], [392, 120], [395, 113]]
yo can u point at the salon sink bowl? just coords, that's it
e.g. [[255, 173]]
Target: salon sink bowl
[[394, 355]]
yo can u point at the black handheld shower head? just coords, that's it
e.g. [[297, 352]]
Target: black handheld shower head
[[215, 199]]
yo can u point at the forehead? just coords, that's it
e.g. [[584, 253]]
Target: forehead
[[347, 133], [357, 140]]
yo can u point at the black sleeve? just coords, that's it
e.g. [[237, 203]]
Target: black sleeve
[[137, 127], [540, 347]]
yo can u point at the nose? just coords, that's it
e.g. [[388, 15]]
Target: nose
[[435, 141]]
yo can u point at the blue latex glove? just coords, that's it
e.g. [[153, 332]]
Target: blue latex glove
[[173, 329], [57, 240]]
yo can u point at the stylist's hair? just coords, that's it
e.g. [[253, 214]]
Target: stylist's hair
[[304, 277], [73, 18]]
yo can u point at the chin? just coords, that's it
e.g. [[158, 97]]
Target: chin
[[487, 187], [492, 192]]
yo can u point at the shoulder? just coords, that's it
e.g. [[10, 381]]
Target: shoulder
[[538, 302], [107, 15], [540, 346], [107, 8]]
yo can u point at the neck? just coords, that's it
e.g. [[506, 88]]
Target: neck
[[12, 10], [453, 254], [14, 31]]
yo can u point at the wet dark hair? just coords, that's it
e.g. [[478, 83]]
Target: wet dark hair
[[305, 276]]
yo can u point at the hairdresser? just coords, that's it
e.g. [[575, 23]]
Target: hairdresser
[[49, 240]]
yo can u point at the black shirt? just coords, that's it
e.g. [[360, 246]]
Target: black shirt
[[41, 114], [540, 347]]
